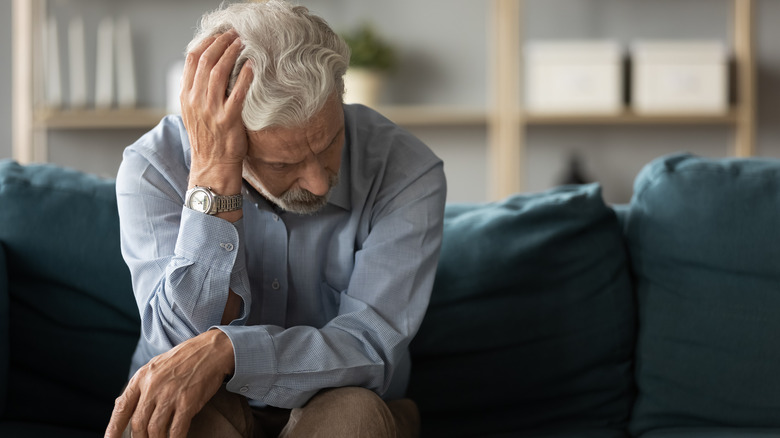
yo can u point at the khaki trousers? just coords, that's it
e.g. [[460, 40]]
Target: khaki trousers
[[339, 413]]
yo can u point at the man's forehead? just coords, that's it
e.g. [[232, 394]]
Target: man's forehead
[[286, 143]]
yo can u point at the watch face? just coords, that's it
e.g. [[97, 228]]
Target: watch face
[[200, 201]]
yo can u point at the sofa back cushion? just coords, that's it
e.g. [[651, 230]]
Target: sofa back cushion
[[73, 319], [704, 238], [531, 321]]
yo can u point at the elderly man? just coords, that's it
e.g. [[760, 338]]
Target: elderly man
[[282, 245]]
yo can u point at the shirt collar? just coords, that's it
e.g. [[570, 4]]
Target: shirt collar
[[340, 196]]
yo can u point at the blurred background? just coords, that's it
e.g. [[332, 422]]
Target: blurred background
[[458, 79]]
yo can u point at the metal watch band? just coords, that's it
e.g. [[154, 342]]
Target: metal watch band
[[229, 203]]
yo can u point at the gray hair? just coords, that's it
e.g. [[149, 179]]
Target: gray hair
[[297, 59]]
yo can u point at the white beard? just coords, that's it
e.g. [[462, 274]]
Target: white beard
[[297, 201]]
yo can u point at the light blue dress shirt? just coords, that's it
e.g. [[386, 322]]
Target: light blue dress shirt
[[329, 300]]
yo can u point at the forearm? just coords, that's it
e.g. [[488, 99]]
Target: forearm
[[209, 263], [285, 367], [182, 295]]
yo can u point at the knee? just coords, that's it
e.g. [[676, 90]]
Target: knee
[[364, 413], [354, 400], [348, 411], [225, 415], [355, 408]]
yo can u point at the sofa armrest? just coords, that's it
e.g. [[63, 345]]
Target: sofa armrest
[[4, 337]]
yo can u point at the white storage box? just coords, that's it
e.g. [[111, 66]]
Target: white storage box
[[679, 77], [573, 77]]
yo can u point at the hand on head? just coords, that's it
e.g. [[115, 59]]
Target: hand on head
[[213, 120]]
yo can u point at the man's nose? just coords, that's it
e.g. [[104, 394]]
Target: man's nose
[[315, 178]]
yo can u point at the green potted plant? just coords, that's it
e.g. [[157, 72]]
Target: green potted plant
[[372, 58]]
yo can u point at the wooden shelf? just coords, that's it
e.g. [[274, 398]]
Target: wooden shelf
[[139, 118], [416, 115], [628, 117], [423, 115], [402, 115]]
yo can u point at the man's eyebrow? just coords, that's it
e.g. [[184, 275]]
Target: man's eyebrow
[[335, 137], [287, 163], [332, 140]]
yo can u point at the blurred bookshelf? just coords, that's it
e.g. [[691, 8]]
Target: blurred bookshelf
[[508, 119], [33, 121], [503, 115]]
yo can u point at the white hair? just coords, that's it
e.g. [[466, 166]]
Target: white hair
[[297, 59]]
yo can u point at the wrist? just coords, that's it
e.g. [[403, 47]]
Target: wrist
[[224, 352], [221, 178], [203, 199]]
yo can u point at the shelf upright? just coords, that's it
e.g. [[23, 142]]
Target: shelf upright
[[506, 151], [29, 145], [744, 56]]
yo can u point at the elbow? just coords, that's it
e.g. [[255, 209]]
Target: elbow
[[164, 330]]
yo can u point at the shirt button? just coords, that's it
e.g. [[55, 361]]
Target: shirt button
[[276, 218], [275, 285], [227, 246], [244, 389]]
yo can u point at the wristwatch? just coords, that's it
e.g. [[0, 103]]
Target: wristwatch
[[203, 200]]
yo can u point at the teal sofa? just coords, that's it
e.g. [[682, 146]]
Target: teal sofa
[[553, 314]]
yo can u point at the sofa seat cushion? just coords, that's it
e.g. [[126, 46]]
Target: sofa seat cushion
[[72, 316], [36, 430], [557, 433], [531, 321], [713, 432], [704, 239]]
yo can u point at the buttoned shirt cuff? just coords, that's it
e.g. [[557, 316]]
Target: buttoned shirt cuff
[[255, 363], [212, 240]]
